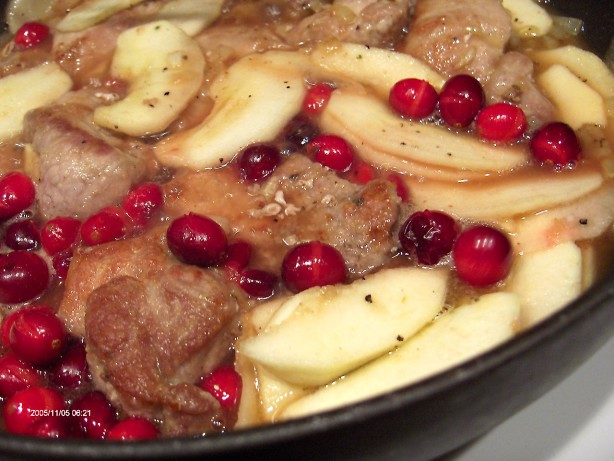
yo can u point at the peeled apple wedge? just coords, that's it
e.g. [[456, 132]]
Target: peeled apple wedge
[[164, 68], [459, 335], [254, 100], [515, 194], [92, 12], [559, 281], [528, 18], [324, 332], [368, 124], [191, 16], [576, 102], [371, 66], [44, 84]]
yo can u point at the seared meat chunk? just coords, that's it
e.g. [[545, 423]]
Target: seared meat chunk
[[82, 168]]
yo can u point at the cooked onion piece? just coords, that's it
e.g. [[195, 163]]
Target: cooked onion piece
[[528, 18], [368, 122], [164, 68], [92, 12], [44, 84], [191, 16], [19, 12], [254, 100], [458, 335]]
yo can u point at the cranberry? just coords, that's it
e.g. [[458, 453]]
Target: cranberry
[[401, 187], [31, 34], [59, 234], [239, 254], [61, 263], [556, 144], [197, 240], [298, 132], [7, 323], [501, 122], [22, 235], [332, 151], [312, 264], [16, 375], [460, 100], [133, 428], [35, 411], [258, 283], [225, 384], [107, 225], [23, 276], [141, 203], [17, 193], [37, 336], [52, 428], [482, 255], [428, 234], [361, 172], [93, 415], [71, 370], [316, 98], [413, 98], [258, 162]]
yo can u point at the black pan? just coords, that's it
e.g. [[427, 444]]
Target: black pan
[[420, 422]]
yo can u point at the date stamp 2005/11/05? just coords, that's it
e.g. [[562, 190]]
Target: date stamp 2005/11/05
[[64, 412]]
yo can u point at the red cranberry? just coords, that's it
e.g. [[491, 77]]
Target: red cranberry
[[501, 122], [37, 336], [332, 151], [7, 323], [71, 370], [258, 162], [316, 98], [361, 172], [52, 428], [17, 193], [141, 203], [402, 191], [133, 428], [298, 132], [225, 384], [258, 283], [197, 240], [23, 276], [34, 411], [107, 225], [59, 234], [16, 375], [61, 263], [556, 144], [93, 415], [31, 34], [482, 256], [428, 234], [22, 235], [460, 100], [312, 264], [239, 254], [413, 98]]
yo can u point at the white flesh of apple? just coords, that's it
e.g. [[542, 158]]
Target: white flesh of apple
[[459, 335], [44, 84], [191, 16], [254, 100], [322, 333], [366, 121], [92, 12], [546, 280], [528, 18], [164, 68], [375, 67]]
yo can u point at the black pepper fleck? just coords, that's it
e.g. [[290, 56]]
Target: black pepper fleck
[[369, 299], [583, 221]]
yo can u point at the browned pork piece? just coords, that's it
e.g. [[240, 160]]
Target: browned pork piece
[[82, 167]]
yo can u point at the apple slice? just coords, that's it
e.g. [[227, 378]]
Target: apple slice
[[254, 99], [459, 335], [375, 67], [191, 16], [546, 280], [164, 68], [44, 83], [368, 124], [322, 333], [528, 18], [92, 12]]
